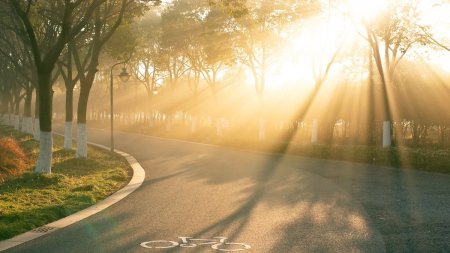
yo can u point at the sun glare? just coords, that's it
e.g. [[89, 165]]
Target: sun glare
[[366, 9], [307, 53]]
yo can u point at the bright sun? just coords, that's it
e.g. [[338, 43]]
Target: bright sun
[[366, 9], [307, 53]]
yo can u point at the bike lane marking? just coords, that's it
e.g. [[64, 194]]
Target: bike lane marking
[[217, 243]]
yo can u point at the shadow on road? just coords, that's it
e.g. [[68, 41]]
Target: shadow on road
[[293, 204], [305, 212]]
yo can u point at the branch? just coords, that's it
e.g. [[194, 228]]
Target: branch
[[29, 30], [439, 44]]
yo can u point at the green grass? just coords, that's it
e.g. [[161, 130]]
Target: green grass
[[433, 160], [32, 200], [426, 159]]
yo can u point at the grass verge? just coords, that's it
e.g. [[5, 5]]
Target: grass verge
[[425, 159], [31, 200]]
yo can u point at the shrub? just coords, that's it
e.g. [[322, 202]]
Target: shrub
[[13, 160]]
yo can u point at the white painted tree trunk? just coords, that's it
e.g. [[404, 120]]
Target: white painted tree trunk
[[23, 127], [81, 141], [262, 130], [314, 131], [27, 125], [387, 134], [37, 129], [68, 136], [16, 122], [44, 163], [11, 119]]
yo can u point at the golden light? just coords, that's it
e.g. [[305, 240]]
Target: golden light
[[367, 10], [306, 54], [317, 75]]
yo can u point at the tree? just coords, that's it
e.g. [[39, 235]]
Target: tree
[[390, 37], [67, 70], [14, 50], [260, 26], [142, 40], [173, 44], [63, 20], [212, 50], [7, 86], [260, 30], [106, 20]]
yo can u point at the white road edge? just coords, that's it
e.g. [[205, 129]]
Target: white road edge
[[135, 182]]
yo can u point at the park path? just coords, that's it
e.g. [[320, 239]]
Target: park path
[[272, 203]]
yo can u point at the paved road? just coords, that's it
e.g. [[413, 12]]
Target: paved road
[[272, 203]]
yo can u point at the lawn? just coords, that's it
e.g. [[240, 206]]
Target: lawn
[[29, 200], [419, 158]]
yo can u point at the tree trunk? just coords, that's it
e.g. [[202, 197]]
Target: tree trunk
[[371, 122], [314, 131], [27, 124], [383, 72], [81, 122], [387, 134], [37, 129], [45, 122], [81, 140], [11, 113], [68, 135], [17, 113], [45, 153], [261, 121], [69, 119]]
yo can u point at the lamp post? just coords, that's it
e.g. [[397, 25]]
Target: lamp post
[[124, 76]]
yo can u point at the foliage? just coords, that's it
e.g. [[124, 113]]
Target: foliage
[[31, 200], [13, 159], [398, 29]]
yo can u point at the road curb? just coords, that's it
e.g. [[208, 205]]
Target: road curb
[[135, 182]]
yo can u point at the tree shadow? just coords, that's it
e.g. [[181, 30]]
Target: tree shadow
[[157, 180], [320, 217], [31, 180], [405, 206], [329, 206], [76, 166], [313, 207]]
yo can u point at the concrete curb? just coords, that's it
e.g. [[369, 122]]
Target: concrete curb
[[135, 182]]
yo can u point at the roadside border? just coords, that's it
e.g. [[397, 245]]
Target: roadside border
[[135, 182]]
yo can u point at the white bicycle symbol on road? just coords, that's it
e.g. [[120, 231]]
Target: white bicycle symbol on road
[[218, 243]]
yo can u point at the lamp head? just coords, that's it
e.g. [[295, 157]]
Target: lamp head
[[124, 76]]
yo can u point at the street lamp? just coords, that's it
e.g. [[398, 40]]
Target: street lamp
[[124, 77]]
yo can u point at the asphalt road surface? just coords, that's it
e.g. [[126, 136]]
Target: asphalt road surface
[[267, 202]]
